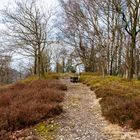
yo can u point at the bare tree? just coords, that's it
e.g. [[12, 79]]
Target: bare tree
[[28, 28], [96, 29], [130, 11]]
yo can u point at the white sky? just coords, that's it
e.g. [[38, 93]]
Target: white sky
[[45, 3], [49, 3]]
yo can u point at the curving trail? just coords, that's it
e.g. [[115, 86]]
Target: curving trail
[[82, 119]]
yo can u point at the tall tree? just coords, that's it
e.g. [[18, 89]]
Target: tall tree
[[130, 10], [28, 27]]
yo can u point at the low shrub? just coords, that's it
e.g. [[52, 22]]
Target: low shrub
[[122, 110], [120, 99], [23, 105]]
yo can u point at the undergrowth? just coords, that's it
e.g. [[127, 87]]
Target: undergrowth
[[27, 103], [120, 98]]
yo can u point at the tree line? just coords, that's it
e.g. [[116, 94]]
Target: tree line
[[105, 34], [101, 35]]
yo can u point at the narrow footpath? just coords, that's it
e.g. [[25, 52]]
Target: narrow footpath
[[82, 119]]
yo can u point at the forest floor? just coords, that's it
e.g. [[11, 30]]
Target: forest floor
[[81, 120]]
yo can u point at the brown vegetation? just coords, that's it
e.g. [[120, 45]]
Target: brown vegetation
[[119, 98], [23, 105]]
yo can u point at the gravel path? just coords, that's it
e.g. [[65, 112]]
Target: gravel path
[[82, 118]]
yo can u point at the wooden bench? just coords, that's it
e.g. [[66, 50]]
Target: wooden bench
[[74, 79]]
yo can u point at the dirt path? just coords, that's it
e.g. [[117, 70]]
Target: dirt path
[[82, 118]]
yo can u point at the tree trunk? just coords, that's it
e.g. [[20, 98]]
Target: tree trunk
[[111, 67], [42, 67], [131, 59], [39, 61], [35, 63]]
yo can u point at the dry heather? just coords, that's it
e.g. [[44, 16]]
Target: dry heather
[[23, 105], [120, 99]]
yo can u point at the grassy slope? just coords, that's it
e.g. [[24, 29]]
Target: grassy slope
[[120, 99], [28, 102]]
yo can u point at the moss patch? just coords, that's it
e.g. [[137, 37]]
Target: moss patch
[[47, 131]]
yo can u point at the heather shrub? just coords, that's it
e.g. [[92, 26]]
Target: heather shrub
[[122, 110], [23, 105], [120, 99]]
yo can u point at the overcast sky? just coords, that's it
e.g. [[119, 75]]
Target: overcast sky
[[46, 4], [4, 3]]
